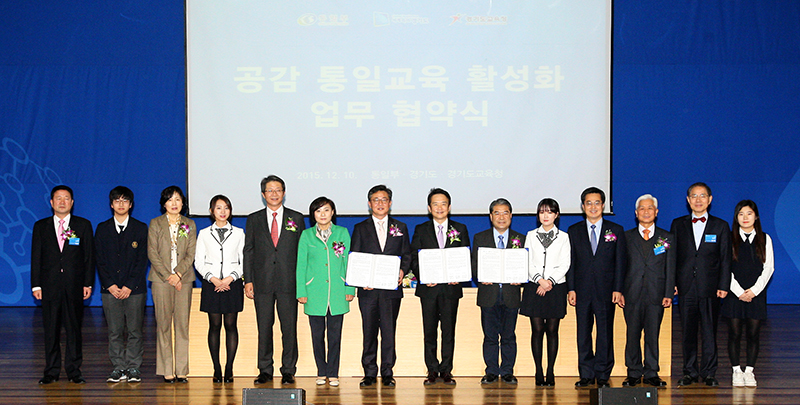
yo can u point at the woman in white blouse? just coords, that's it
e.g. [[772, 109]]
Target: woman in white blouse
[[544, 299], [745, 306], [219, 261]]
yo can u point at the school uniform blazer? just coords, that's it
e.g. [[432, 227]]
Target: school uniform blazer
[[123, 264], [551, 263], [603, 272], [159, 245], [650, 277], [365, 240], [487, 294], [709, 267], [321, 272], [425, 238], [219, 258], [76, 260], [272, 269]]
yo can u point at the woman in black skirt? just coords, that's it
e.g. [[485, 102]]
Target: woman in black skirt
[[544, 299], [746, 304], [219, 260]]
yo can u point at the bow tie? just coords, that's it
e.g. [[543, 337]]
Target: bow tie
[[701, 219], [547, 234]]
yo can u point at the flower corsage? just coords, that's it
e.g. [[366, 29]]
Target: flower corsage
[[338, 248], [453, 234], [183, 230], [609, 236], [394, 231], [291, 225]]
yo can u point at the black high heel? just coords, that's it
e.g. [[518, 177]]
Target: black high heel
[[217, 376]]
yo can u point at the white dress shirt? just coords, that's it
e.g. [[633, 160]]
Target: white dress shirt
[[699, 227], [123, 224], [278, 218]]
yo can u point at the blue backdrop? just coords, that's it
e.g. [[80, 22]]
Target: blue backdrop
[[92, 94]]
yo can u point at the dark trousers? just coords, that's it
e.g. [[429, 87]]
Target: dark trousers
[[597, 363], [699, 315], [265, 318], [327, 365], [439, 311], [642, 316], [378, 314], [121, 315], [499, 323], [69, 313]]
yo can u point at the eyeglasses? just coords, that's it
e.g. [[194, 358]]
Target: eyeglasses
[[700, 196], [122, 200], [380, 200], [501, 213], [274, 191], [590, 203]]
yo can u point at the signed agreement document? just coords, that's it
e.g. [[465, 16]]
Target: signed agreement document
[[450, 265], [373, 270], [502, 265]]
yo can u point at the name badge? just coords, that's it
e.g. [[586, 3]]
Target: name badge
[[75, 241], [711, 238], [659, 250]]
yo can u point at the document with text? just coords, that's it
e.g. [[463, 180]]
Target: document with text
[[502, 265], [373, 271], [450, 265]]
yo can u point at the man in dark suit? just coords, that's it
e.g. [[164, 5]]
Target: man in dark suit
[[595, 279], [270, 262], [380, 234], [62, 275], [439, 301], [121, 252], [703, 272], [499, 302], [649, 285]]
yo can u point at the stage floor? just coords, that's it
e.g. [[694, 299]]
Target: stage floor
[[22, 360]]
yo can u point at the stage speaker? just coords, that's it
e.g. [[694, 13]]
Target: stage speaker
[[269, 396], [624, 396]]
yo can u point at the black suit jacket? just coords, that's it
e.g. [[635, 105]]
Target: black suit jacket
[[425, 238], [47, 260], [365, 240], [272, 269], [709, 267], [487, 294], [650, 277], [602, 273], [125, 264]]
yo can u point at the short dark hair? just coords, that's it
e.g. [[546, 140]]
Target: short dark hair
[[168, 192], [213, 202], [548, 204], [593, 190], [58, 188], [500, 201], [379, 188], [120, 192], [698, 184], [318, 203], [270, 178], [438, 190]]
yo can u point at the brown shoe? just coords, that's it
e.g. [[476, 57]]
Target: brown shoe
[[431, 379]]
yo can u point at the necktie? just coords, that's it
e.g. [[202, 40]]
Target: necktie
[[61, 234], [747, 237], [701, 219], [274, 229], [500, 244], [594, 240], [221, 232], [440, 237], [121, 228], [382, 234], [646, 233], [546, 238]]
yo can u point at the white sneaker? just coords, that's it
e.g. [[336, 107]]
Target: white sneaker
[[738, 377], [320, 380], [334, 382], [749, 379]]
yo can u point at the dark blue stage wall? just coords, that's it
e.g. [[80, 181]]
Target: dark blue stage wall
[[92, 94]]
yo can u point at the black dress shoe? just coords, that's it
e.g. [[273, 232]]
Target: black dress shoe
[[711, 382], [182, 380], [80, 380], [602, 383], [686, 380], [431, 378], [489, 378], [631, 382], [287, 379], [388, 381], [228, 380], [367, 382], [550, 380], [263, 378], [448, 379], [48, 379], [655, 382], [169, 380], [584, 382], [510, 379], [217, 379]]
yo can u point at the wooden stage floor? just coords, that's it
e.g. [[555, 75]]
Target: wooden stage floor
[[22, 360]]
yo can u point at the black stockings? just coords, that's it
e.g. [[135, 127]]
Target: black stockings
[[753, 327], [231, 340], [540, 327]]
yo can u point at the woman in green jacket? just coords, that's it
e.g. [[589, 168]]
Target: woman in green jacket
[[321, 266]]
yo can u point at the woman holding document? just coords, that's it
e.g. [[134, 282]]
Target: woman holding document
[[544, 299], [321, 268]]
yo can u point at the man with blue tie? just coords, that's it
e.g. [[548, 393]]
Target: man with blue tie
[[499, 302]]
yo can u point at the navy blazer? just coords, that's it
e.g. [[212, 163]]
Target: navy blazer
[[272, 269], [365, 240], [76, 261], [487, 294], [709, 267], [600, 273], [425, 238], [650, 277], [125, 264]]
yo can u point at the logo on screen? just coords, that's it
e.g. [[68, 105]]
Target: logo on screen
[[384, 19], [478, 19], [329, 20], [380, 19], [307, 19]]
